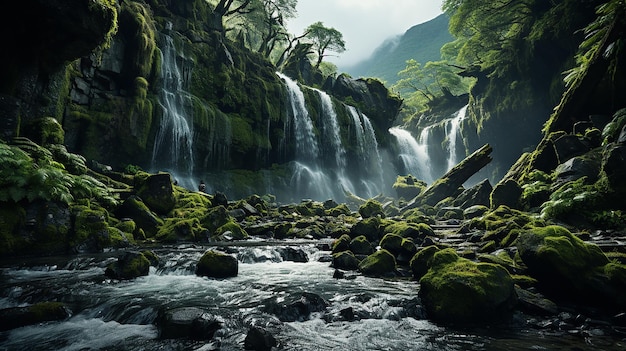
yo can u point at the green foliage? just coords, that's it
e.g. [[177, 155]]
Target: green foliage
[[23, 179], [571, 197], [419, 85], [596, 34], [325, 39]]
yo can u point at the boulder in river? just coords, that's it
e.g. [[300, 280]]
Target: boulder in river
[[457, 290], [217, 265]]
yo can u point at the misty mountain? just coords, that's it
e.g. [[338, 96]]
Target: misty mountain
[[421, 42]]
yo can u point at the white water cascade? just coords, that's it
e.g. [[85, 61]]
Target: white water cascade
[[368, 153], [306, 143], [321, 169], [413, 153], [434, 151], [453, 134], [173, 146], [330, 129]]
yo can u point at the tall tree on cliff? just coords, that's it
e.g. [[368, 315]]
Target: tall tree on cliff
[[226, 8], [325, 39], [271, 24]]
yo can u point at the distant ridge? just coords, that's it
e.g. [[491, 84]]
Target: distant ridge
[[421, 42]]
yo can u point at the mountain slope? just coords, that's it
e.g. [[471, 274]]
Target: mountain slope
[[421, 42]]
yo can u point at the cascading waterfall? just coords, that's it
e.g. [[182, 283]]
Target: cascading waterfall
[[368, 153], [453, 133], [330, 129], [321, 169], [413, 153], [434, 152], [306, 143], [173, 146]]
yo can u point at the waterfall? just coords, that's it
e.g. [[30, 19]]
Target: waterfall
[[413, 153], [452, 134], [330, 129], [306, 143], [368, 153], [173, 146], [434, 151]]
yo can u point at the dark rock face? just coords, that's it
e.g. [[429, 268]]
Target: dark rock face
[[56, 32], [217, 265], [130, 265], [187, 322], [259, 339], [296, 308], [372, 97], [11, 318], [157, 193]]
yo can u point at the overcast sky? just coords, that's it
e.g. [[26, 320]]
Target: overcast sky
[[365, 24]]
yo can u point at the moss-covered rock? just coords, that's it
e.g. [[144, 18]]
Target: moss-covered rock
[[360, 246], [15, 317], [345, 260], [422, 260], [408, 187], [342, 243], [129, 266], [567, 267], [371, 208], [216, 264], [380, 263], [369, 227], [157, 192], [134, 207], [457, 290], [231, 230], [416, 231]]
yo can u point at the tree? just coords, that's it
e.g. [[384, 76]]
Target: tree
[[225, 8], [272, 26], [419, 85], [325, 39]]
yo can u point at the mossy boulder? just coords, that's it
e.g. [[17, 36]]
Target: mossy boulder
[[157, 192], [360, 246], [567, 267], [369, 227], [232, 231], [217, 264], [408, 187], [45, 131], [128, 266], [508, 193], [422, 260], [371, 208], [380, 263], [345, 260], [181, 229], [457, 290], [15, 317], [342, 243], [415, 231], [134, 207]]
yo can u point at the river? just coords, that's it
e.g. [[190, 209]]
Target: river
[[120, 315]]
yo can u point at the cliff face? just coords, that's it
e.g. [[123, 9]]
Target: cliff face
[[117, 75]]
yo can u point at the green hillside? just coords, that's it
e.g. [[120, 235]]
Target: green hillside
[[421, 42]]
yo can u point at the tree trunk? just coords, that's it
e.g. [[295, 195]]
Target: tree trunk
[[453, 180]]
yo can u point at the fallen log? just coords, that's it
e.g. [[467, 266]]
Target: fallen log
[[450, 183]]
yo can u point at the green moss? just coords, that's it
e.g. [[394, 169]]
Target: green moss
[[487, 289], [177, 229], [371, 208], [232, 229], [380, 263]]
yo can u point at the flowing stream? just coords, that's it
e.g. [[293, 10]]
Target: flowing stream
[[121, 315]]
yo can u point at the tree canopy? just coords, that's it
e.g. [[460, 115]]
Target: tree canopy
[[325, 39]]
